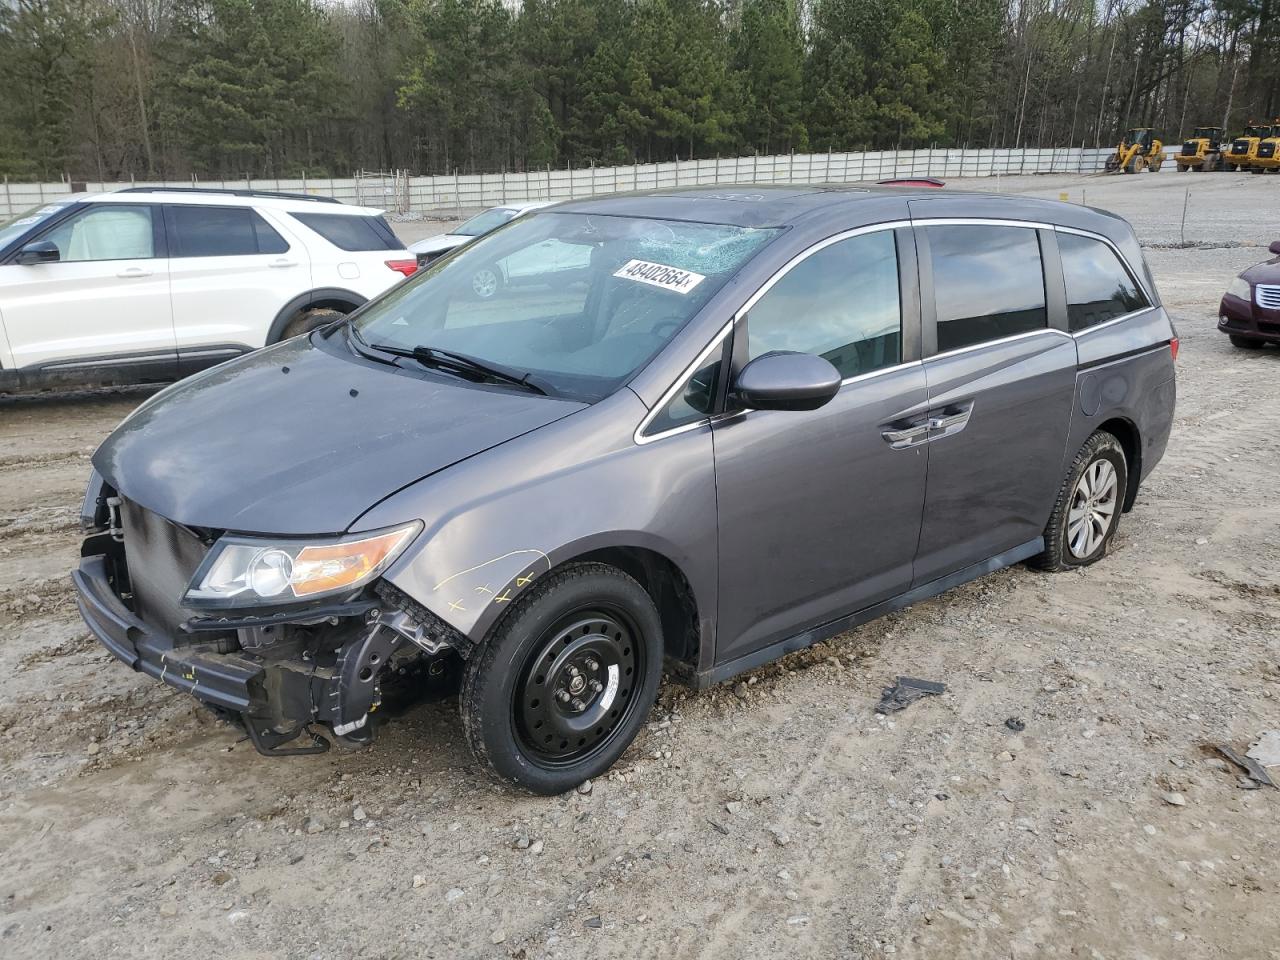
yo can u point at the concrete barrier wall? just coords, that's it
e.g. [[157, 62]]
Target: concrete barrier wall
[[398, 192]]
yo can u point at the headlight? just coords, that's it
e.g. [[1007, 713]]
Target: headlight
[[248, 572], [1239, 287]]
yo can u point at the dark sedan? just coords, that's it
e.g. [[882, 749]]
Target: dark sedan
[[1250, 310]]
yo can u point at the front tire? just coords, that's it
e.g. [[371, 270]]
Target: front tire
[[566, 679], [308, 320], [1087, 512], [1245, 343]]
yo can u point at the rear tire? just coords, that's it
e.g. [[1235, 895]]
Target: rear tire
[[565, 680], [1087, 512], [308, 320], [1245, 343]]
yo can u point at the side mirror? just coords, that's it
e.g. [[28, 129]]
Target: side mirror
[[1275, 247], [39, 251], [786, 381]]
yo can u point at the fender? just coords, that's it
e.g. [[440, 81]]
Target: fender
[[320, 295], [573, 487]]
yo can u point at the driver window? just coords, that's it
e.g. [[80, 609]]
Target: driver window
[[841, 303], [105, 232]]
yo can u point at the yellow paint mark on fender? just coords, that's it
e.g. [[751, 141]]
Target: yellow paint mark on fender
[[513, 553], [457, 605]]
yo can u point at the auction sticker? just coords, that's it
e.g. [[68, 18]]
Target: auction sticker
[[660, 275]]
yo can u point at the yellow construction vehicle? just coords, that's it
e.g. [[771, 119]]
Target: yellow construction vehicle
[[1244, 148], [1266, 158], [1139, 150], [1201, 151]]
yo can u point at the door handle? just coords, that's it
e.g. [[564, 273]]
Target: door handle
[[131, 273], [906, 436], [950, 421], [282, 262]]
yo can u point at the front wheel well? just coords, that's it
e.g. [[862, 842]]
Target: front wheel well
[[1131, 443], [329, 298], [667, 585]]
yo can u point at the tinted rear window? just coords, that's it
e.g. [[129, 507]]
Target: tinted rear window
[[348, 232], [222, 232], [988, 283], [1099, 288]]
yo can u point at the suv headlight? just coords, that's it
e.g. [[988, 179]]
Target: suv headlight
[[252, 572], [1239, 287]]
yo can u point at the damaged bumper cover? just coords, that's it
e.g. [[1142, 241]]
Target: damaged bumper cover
[[329, 673]]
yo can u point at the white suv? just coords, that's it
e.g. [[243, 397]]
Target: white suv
[[148, 285]]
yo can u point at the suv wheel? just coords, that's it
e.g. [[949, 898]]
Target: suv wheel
[[565, 680], [486, 282], [1245, 343], [1088, 509], [308, 320]]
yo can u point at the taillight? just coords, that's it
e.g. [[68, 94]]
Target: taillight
[[406, 267], [1173, 347]]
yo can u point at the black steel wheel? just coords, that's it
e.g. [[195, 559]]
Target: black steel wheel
[[577, 689], [565, 680]]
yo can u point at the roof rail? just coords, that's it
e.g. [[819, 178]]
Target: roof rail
[[231, 193]]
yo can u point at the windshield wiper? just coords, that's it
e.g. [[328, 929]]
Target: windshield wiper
[[361, 346], [460, 363]]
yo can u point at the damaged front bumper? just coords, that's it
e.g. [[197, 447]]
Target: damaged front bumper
[[281, 673]]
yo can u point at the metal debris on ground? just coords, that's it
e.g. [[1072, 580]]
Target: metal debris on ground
[[1249, 765], [906, 691], [1267, 750], [1016, 724]]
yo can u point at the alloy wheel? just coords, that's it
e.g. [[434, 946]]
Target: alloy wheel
[[484, 283], [1093, 506]]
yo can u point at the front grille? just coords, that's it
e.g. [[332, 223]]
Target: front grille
[[1267, 295], [1267, 149], [161, 557], [1240, 146], [1189, 149]]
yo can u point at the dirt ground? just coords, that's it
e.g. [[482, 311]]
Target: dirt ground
[[776, 816]]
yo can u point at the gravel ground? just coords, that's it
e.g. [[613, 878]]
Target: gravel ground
[[775, 816]]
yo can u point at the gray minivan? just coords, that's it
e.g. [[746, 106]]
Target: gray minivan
[[748, 420]]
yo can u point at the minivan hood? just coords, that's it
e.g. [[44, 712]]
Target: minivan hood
[[300, 439]]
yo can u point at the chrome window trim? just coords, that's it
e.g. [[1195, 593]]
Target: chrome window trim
[[1114, 320], [994, 343], [982, 222], [1134, 275], [810, 251], [639, 435]]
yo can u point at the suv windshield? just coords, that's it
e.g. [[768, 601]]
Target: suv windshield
[[482, 223], [14, 227], [578, 302]]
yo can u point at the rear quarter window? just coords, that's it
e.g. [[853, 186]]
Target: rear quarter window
[[351, 232], [1099, 288]]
